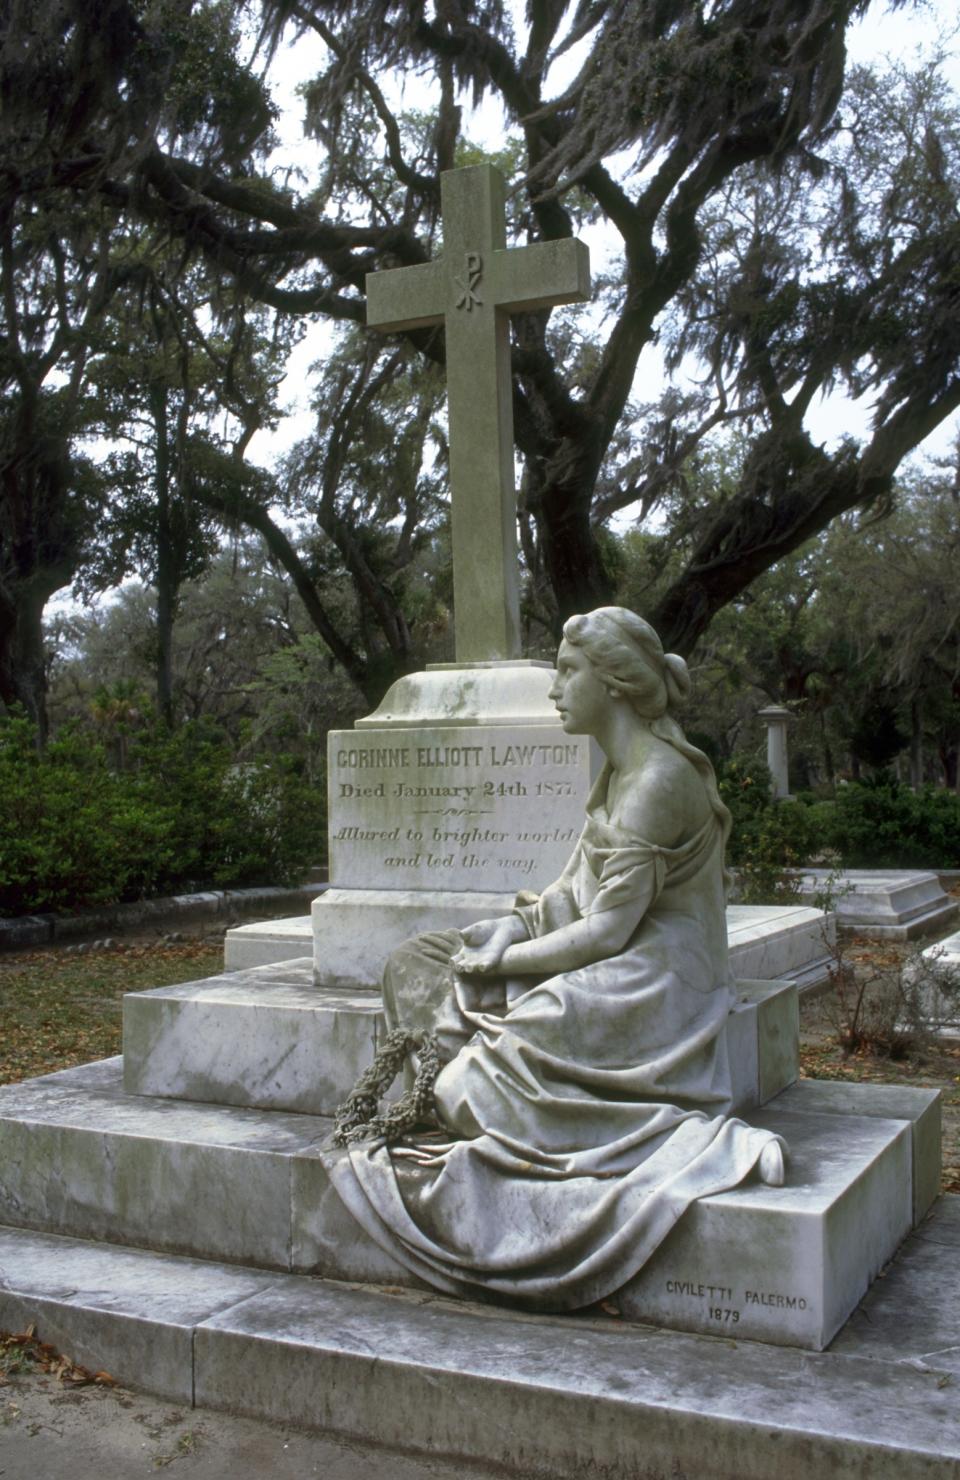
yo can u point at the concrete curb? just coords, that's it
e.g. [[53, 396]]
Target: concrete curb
[[179, 909]]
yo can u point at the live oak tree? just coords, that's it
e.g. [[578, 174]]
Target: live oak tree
[[790, 235], [86, 92], [712, 109], [857, 632], [183, 375]]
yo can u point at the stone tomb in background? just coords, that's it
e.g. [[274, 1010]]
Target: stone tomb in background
[[882, 903]]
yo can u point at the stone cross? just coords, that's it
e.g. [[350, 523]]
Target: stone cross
[[472, 289]]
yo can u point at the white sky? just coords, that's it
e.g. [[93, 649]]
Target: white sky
[[909, 34]]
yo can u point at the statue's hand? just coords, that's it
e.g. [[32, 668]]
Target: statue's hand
[[477, 960]]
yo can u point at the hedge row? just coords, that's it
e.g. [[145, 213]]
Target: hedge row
[[180, 815], [879, 824]]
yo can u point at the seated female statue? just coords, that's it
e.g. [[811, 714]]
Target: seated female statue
[[584, 1095]]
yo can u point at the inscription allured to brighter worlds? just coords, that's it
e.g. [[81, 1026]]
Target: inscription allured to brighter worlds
[[492, 813]]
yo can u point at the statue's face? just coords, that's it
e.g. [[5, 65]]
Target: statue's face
[[581, 698]]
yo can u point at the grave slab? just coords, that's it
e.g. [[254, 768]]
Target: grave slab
[[940, 968], [268, 1038], [883, 904], [575, 1397]]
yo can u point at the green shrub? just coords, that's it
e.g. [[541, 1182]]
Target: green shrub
[[74, 830], [769, 839], [886, 825]]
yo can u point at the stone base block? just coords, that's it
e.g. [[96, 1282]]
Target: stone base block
[[80, 1158], [269, 1039], [266, 1038], [570, 1398], [920, 1108], [883, 904], [354, 930], [268, 942], [786, 1264], [764, 1027]]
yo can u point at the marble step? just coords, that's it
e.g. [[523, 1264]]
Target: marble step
[[269, 1038], [546, 1398], [80, 1157], [767, 942]]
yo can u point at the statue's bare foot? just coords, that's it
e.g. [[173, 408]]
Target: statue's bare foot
[[771, 1166]]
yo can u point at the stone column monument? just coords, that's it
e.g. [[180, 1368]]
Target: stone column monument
[[462, 786], [776, 719]]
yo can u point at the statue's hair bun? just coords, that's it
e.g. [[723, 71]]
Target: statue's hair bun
[[677, 677]]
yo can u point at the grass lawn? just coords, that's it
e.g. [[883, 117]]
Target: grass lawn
[[59, 1008]]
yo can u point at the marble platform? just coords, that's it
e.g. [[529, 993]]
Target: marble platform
[[80, 1157], [883, 904], [545, 1398], [938, 974], [269, 1038], [768, 942]]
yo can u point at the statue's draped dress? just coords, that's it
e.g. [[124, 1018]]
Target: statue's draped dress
[[582, 1119]]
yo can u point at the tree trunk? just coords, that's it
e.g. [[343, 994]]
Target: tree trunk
[[830, 772], [916, 744], [23, 671], [41, 530], [166, 573]]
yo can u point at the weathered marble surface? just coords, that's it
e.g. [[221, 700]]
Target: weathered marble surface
[[940, 968], [883, 904], [118, 1310], [269, 1038], [567, 1399], [772, 942], [766, 1023], [913, 1313], [767, 942], [786, 1264], [920, 1108], [472, 288], [81, 1158], [354, 930], [266, 1038], [545, 1397]]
